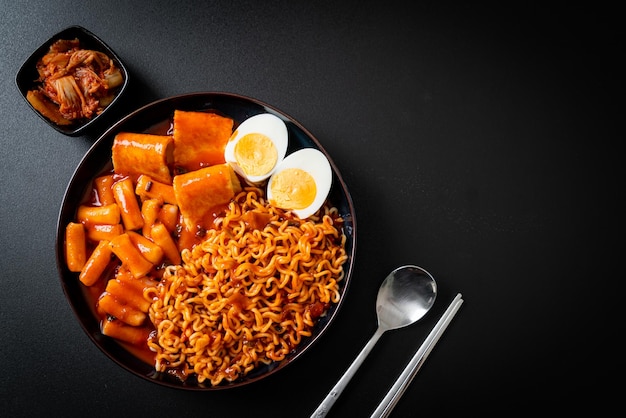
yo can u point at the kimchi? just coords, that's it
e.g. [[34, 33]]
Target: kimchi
[[74, 83]]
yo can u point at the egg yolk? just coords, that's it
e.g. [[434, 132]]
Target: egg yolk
[[256, 154], [293, 188]]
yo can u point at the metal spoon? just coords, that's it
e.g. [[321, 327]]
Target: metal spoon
[[404, 297]]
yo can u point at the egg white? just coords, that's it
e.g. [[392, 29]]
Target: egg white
[[267, 124], [317, 165]]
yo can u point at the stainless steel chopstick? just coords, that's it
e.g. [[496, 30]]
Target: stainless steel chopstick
[[399, 387]]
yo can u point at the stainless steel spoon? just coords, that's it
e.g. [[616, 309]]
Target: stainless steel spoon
[[404, 297]]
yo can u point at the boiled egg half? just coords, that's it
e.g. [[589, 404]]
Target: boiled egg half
[[257, 146], [301, 182]]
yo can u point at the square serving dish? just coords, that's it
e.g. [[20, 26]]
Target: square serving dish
[[28, 77]]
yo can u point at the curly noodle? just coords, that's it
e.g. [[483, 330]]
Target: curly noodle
[[246, 296]]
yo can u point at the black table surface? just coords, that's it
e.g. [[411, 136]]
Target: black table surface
[[480, 143]]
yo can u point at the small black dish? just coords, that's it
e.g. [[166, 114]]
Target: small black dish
[[27, 75]]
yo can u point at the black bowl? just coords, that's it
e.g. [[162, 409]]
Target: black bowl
[[156, 118], [27, 75]]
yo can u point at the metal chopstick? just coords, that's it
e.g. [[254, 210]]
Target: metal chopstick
[[399, 387]]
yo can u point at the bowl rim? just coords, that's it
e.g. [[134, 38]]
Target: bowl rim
[[114, 350], [28, 68]]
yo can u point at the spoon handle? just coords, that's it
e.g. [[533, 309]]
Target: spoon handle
[[399, 387], [334, 393]]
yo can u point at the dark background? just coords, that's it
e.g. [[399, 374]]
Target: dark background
[[479, 142]]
